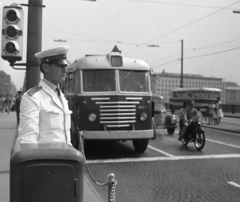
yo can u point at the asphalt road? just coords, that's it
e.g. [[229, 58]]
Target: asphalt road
[[170, 171], [167, 171]]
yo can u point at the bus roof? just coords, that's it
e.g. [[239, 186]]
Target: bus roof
[[196, 89], [103, 62]]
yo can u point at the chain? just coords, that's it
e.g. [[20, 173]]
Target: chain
[[85, 161], [112, 183]]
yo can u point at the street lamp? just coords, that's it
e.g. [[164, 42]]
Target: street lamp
[[236, 12], [181, 78], [60, 40], [153, 46]]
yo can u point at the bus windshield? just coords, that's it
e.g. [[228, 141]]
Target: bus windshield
[[99, 80], [133, 81]]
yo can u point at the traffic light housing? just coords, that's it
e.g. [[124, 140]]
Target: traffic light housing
[[12, 34]]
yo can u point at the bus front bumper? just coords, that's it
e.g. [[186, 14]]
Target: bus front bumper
[[118, 135]]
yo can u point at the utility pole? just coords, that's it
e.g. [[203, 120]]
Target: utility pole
[[34, 42], [181, 82]]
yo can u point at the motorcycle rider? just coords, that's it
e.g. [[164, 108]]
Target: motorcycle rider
[[192, 112], [191, 118], [183, 121]]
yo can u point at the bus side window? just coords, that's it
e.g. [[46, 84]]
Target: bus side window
[[77, 81]]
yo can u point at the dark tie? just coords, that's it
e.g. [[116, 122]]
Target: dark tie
[[58, 92]]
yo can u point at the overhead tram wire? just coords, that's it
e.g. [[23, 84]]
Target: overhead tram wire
[[184, 26], [178, 4], [219, 52], [88, 40], [212, 53], [165, 64], [196, 49]]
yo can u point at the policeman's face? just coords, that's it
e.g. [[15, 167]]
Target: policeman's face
[[55, 73]]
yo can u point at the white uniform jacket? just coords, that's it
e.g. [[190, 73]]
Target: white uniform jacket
[[43, 118]]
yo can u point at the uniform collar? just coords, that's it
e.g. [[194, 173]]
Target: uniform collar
[[50, 84]]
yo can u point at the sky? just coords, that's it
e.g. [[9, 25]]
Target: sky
[[209, 29]]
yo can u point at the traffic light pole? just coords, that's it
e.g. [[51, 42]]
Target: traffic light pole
[[181, 82], [34, 42]]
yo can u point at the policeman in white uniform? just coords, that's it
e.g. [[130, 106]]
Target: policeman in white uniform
[[44, 112]]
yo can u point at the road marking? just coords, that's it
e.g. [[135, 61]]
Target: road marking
[[234, 184], [158, 150], [147, 159], [226, 144]]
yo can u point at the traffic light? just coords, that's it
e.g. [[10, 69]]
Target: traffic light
[[12, 38]]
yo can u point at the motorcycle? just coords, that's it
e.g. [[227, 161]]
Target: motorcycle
[[194, 133]]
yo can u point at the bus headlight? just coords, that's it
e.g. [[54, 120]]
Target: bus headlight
[[92, 117], [143, 116]]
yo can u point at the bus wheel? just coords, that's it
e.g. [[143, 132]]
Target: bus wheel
[[170, 131], [140, 145]]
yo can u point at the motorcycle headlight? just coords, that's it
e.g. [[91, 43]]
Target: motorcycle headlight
[[143, 116], [92, 117], [199, 121], [173, 120]]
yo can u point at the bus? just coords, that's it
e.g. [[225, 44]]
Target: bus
[[201, 96], [162, 119], [111, 99]]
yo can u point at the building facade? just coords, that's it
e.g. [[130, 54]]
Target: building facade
[[6, 86], [163, 83], [232, 93], [5, 83]]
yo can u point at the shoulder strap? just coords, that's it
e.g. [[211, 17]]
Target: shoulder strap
[[33, 90]]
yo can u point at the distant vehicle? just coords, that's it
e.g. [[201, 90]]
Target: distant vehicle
[[111, 99], [201, 96], [162, 119]]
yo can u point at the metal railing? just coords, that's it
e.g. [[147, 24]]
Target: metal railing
[[233, 109]]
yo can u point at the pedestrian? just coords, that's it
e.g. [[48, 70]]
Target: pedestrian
[[44, 112], [17, 105], [171, 107], [8, 103], [211, 107], [183, 121], [215, 118], [2, 99], [219, 110]]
